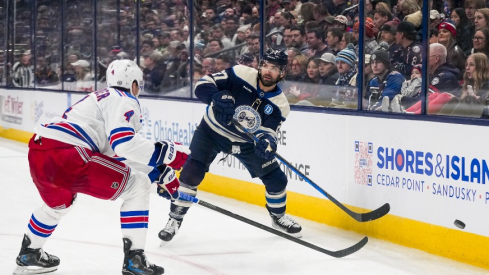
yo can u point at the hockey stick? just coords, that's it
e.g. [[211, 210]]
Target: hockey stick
[[336, 254], [361, 217]]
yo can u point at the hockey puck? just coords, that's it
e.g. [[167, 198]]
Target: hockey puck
[[459, 224]]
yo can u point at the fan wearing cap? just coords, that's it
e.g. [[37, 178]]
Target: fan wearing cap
[[447, 33], [84, 79], [327, 69], [388, 35], [386, 83], [346, 61], [340, 21], [409, 53], [370, 44], [253, 99]]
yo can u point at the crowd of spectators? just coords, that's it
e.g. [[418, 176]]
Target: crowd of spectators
[[321, 38]]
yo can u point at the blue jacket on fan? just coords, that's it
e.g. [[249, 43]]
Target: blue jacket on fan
[[270, 108]]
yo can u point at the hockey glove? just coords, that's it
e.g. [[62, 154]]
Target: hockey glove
[[168, 184], [223, 107], [266, 146], [171, 153]]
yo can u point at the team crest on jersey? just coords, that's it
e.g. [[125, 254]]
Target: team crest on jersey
[[268, 109], [115, 185], [416, 49], [248, 118]]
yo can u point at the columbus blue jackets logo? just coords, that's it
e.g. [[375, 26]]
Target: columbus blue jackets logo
[[248, 118], [115, 185]]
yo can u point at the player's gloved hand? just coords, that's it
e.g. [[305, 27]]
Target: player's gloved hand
[[223, 107], [168, 184], [266, 146], [171, 153]]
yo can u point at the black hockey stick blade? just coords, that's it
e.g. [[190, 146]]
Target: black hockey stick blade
[[361, 217], [336, 254]]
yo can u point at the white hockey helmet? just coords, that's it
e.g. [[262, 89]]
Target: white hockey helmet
[[122, 73]]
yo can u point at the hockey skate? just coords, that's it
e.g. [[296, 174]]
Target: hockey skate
[[170, 230], [34, 261], [135, 262], [287, 225]]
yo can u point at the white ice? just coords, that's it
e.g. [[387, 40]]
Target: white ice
[[88, 239]]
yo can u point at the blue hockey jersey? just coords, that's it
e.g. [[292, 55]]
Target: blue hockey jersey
[[258, 111]]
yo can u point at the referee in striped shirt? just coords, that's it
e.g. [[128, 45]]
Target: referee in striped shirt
[[23, 76]]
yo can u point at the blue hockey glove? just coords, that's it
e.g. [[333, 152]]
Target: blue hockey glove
[[223, 107], [266, 146], [168, 184]]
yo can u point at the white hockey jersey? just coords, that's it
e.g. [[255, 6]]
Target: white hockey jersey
[[106, 121]]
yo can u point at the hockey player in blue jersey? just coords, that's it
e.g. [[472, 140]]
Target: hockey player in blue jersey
[[253, 98]]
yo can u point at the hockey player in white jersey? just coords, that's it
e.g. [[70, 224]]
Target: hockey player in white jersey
[[77, 154]]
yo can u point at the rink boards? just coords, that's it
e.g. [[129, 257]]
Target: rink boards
[[430, 173]]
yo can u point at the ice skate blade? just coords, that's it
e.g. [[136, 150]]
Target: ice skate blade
[[298, 235], [34, 270]]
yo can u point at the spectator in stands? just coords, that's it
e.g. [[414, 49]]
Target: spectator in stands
[[218, 33], [480, 42], [315, 41], [240, 38], [253, 42], [214, 46], [333, 39], [297, 42], [345, 64], [370, 44], [312, 71], [410, 92], [172, 78], [297, 68], [84, 79], [44, 74], [165, 39], [409, 53], [291, 53], [388, 35], [446, 36], [470, 7], [481, 19], [443, 75], [224, 61], [380, 17], [435, 19], [387, 82], [339, 7], [22, 72], [210, 15], [346, 39], [367, 72], [153, 72], [327, 69], [209, 65], [341, 22], [247, 60], [407, 7], [307, 13], [461, 21], [476, 76]]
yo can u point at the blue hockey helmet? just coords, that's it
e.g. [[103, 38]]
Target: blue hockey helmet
[[277, 57]]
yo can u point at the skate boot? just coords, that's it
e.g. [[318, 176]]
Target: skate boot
[[34, 261], [170, 230], [135, 262], [287, 225]]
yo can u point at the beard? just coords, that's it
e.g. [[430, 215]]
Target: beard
[[269, 81]]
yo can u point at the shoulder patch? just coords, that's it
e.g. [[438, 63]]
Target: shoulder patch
[[416, 49], [435, 81]]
